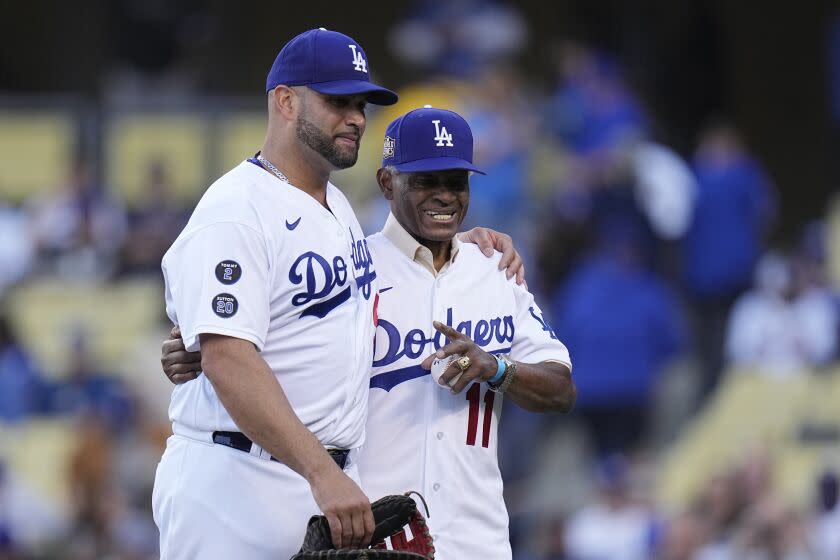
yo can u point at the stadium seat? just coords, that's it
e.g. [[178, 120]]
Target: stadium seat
[[28, 140], [240, 135], [796, 419], [114, 316], [40, 455], [179, 141]]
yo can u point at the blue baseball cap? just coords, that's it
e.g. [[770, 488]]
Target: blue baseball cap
[[328, 62], [429, 139]]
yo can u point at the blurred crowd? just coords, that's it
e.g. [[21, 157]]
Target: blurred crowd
[[649, 264]]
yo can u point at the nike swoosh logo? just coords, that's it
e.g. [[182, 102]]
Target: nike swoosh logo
[[293, 225], [386, 289]]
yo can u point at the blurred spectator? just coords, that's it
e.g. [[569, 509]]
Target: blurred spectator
[[755, 474], [154, 225], [504, 132], [603, 194], [683, 536], [17, 250], [721, 503], [610, 173], [592, 109], [79, 229], [111, 509], [665, 189], [731, 504], [89, 479], [826, 525], [546, 540], [23, 392], [735, 207], [771, 531], [7, 547], [615, 527], [786, 324], [623, 326], [89, 391], [458, 36], [26, 519]]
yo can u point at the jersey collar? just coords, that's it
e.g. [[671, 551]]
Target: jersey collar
[[408, 246]]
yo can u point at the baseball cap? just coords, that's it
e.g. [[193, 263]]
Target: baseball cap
[[429, 139], [328, 62]]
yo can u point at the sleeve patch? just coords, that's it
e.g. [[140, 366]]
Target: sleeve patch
[[225, 306], [228, 272]]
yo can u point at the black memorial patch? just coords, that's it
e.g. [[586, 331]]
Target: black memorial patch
[[228, 272], [225, 305]]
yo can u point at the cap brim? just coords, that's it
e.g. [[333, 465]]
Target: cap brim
[[443, 163], [377, 95]]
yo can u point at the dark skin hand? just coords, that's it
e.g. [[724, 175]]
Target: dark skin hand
[[488, 240], [483, 365], [179, 365]]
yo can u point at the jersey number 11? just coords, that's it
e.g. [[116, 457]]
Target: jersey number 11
[[474, 398]]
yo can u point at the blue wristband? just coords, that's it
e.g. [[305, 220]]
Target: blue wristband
[[500, 371]]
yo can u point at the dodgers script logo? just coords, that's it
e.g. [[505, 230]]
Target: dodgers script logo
[[441, 135], [362, 262], [320, 276], [414, 344], [359, 62]]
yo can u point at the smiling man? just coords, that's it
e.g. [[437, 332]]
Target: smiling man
[[442, 297], [272, 263]]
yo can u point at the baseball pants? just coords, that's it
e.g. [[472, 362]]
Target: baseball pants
[[214, 502]]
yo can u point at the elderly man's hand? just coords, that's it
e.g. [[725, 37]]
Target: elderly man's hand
[[482, 365], [489, 240]]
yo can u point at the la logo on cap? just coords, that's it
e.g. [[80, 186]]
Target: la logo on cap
[[442, 137], [359, 63]]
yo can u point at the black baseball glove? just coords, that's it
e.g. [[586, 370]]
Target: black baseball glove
[[391, 515]]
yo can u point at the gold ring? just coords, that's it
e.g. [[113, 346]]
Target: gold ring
[[463, 363]]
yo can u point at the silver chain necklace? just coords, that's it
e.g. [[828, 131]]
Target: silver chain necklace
[[270, 166]]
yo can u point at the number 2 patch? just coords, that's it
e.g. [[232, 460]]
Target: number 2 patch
[[228, 272], [225, 305]]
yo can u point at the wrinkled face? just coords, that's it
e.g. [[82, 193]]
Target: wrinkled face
[[332, 126], [431, 205]]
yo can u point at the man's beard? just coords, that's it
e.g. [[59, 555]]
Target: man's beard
[[320, 142]]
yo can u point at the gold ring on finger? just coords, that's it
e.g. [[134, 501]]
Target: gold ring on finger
[[463, 363]]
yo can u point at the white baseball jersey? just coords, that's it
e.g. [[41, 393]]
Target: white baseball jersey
[[441, 444], [262, 261]]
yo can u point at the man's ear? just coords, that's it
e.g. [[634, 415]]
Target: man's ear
[[386, 183], [285, 100]]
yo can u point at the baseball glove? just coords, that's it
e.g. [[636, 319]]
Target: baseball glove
[[391, 515]]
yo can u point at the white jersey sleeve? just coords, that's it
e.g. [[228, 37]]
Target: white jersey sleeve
[[218, 281], [535, 341]]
